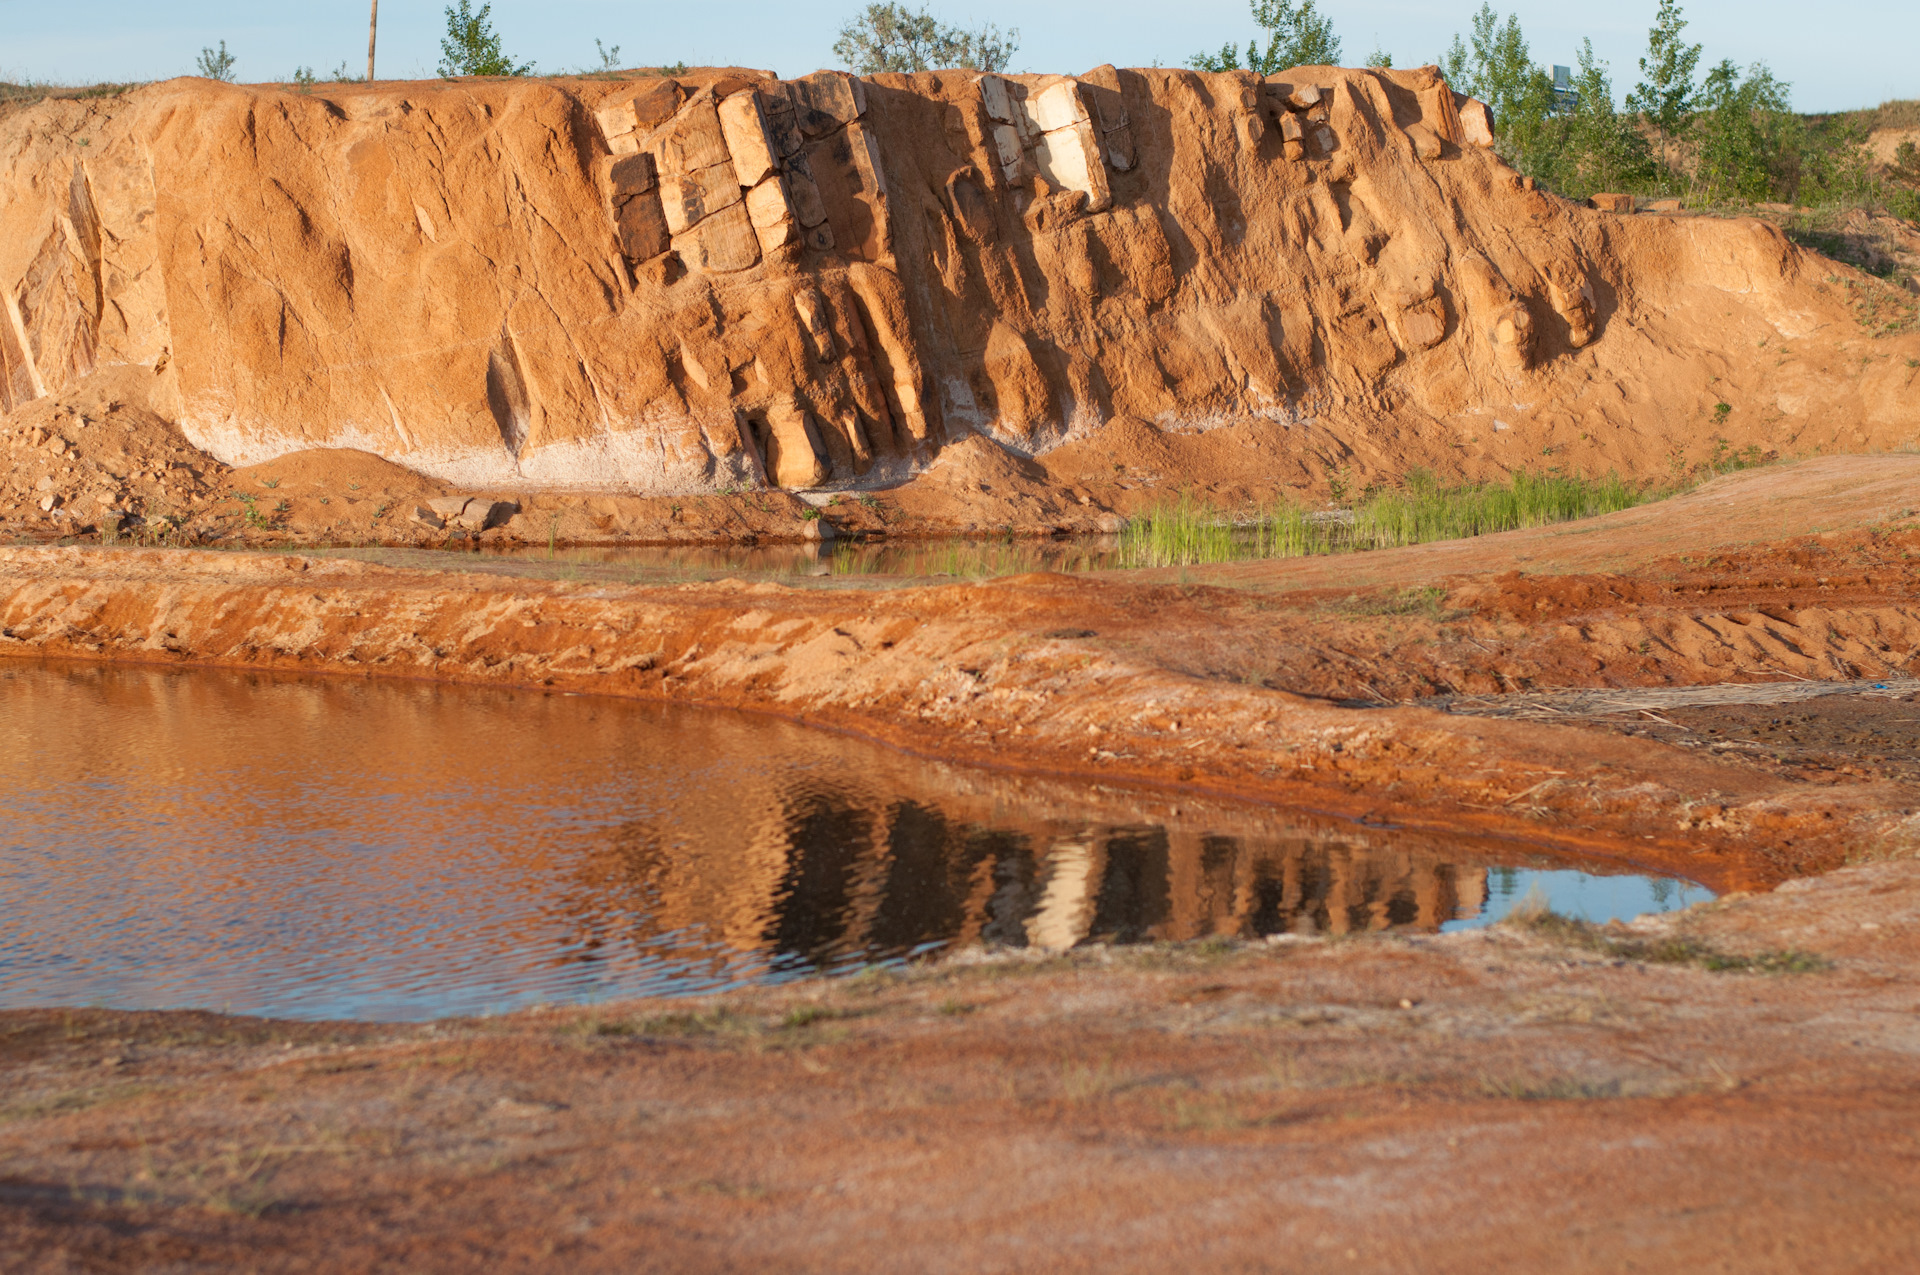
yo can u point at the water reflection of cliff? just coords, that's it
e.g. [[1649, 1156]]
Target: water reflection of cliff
[[824, 875], [393, 850]]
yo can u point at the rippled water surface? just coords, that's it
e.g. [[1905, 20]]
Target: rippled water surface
[[336, 848]]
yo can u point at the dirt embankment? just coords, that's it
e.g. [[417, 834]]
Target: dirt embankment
[[655, 290], [1244, 685], [1509, 1101]]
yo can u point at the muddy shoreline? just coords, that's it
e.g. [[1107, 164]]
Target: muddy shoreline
[[1522, 1096]]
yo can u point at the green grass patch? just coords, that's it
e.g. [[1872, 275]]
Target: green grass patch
[[1189, 532]]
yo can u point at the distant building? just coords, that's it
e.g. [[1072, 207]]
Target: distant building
[[1566, 98]]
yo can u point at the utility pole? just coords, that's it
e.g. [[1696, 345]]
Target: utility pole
[[373, 26]]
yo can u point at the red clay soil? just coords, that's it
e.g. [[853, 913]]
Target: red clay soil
[[1236, 688], [1514, 1100], [1729, 1089]]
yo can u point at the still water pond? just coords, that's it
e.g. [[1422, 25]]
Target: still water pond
[[332, 848]]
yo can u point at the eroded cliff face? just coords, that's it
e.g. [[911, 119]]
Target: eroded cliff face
[[726, 280]]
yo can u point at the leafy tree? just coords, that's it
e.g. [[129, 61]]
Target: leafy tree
[[1665, 92], [1742, 133], [1295, 37], [1603, 150], [1380, 59], [472, 47], [217, 66], [892, 37], [1497, 67]]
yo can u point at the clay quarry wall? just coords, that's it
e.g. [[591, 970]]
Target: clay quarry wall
[[666, 286]]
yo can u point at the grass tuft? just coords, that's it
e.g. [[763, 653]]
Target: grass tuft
[[1536, 918], [1190, 532]]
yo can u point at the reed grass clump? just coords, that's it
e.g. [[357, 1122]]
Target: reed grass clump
[[1189, 531]]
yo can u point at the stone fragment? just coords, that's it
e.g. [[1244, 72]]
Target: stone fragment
[[1252, 127], [448, 506], [1612, 202], [1476, 120], [689, 198], [428, 518], [1306, 97], [745, 129], [1425, 143], [721, 242], [483, 512], [1512, 333], [48, 503]]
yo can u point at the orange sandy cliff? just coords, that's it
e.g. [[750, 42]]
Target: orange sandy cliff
[[667, 286]]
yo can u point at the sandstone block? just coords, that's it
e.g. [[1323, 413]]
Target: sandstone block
[[689, 198], [631, 175], [657, 103], [1252, 128], [772, 215], [1612, 202], [996, 96], [428, 518], [1070, 158], [1009, 153], [720, 243], [1666, 205], [803, 193], [819, 238], [1291, 130], [1426, 144], [745, 129], [641, 224], [691, 140], [448, 506], [1059, 105], [783, 126], [767, 203], [623, 122], [1306, 97], [827, 100], [790, 447]]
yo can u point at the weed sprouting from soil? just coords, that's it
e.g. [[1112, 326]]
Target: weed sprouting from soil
[[1535, 918], [1189, 531]]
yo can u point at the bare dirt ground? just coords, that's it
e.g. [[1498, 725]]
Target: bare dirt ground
[[1505, 1100], [1732, 1094]]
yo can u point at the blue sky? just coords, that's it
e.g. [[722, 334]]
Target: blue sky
[[1840, 54]]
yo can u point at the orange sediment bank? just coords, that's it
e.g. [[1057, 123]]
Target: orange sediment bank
[[1115, 678]]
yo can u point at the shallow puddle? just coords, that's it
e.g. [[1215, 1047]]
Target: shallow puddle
[[323, 848]]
